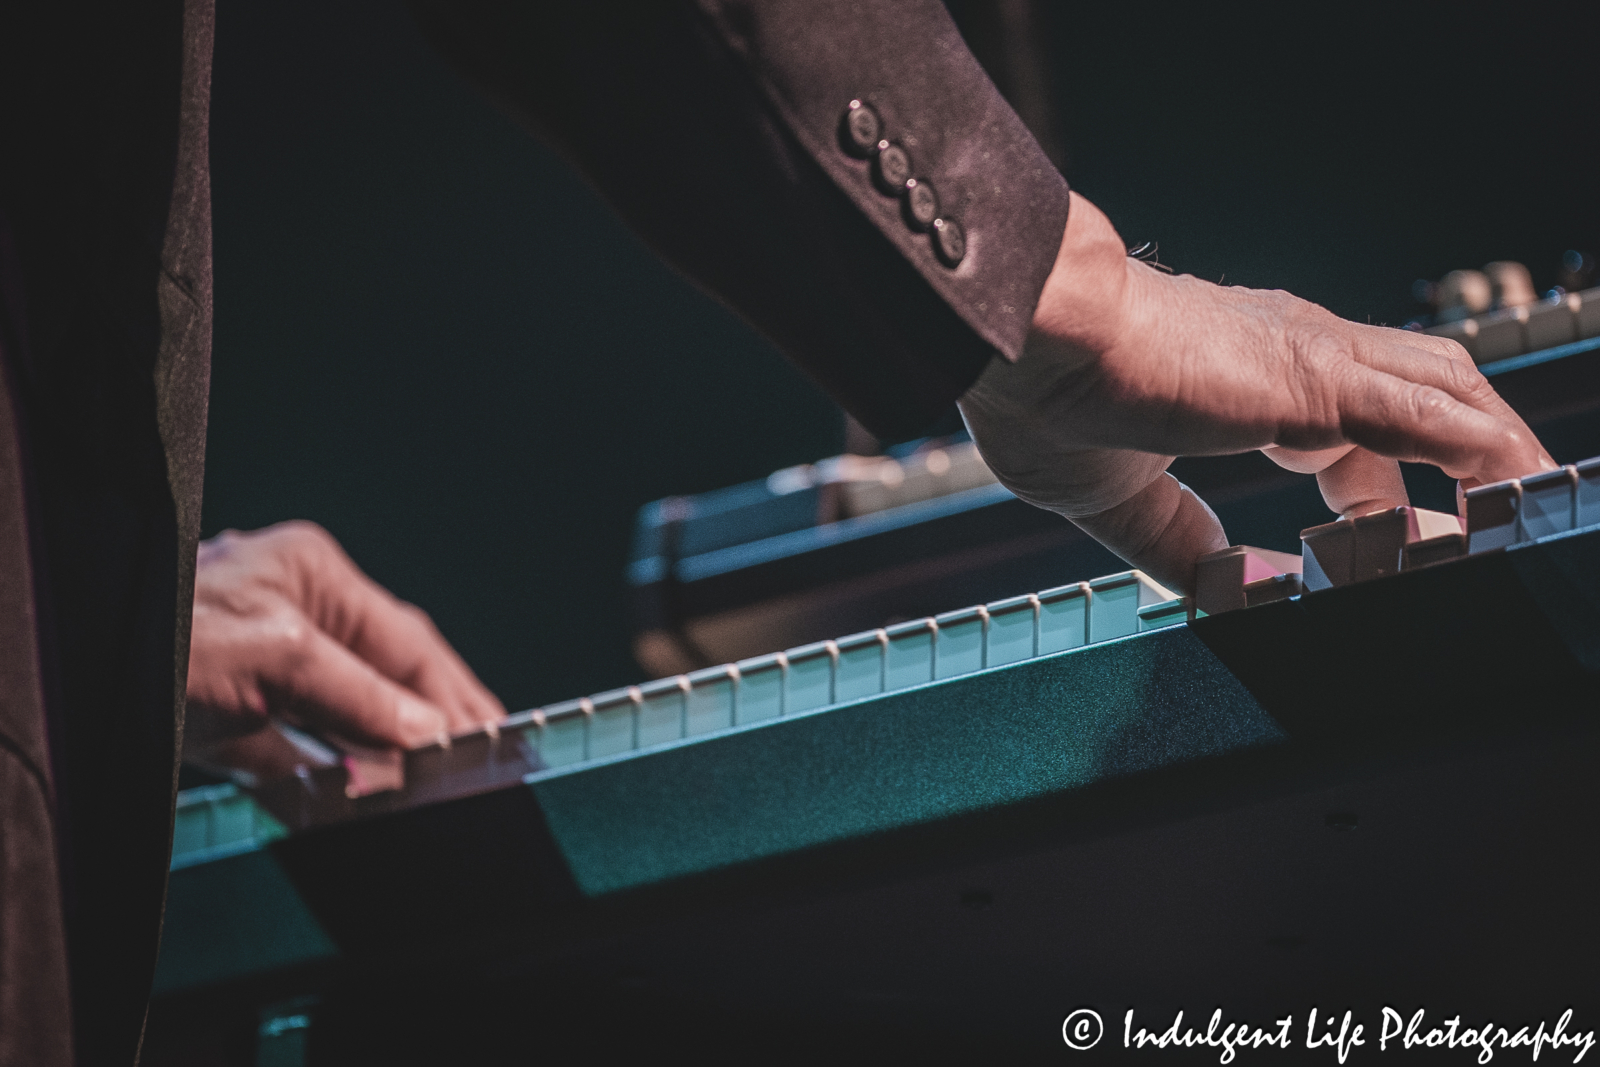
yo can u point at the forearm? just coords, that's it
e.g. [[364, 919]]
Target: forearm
[[713, 129]]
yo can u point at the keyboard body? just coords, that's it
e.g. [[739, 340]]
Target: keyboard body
[[1380, 793]]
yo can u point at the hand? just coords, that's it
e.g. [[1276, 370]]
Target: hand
[[287, 627], [1127, 367]]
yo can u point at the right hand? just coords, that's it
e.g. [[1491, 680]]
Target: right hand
[[1127, 367]]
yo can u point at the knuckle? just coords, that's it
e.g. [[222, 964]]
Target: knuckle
[[1316, 343], [1424, 404], [214, 550], [1453, 351], [300, 535], [1475, 388], [1521, 442], [291, 637], [1464, 374], [1320, 374], [418, 616]]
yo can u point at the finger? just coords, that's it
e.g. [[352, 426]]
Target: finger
[[320, 682], [395, 638], [1161, 530], [1423, 359], [1362, 482], [401, 642], [1303, 461], [446, 672], [1420, 423], [1071, 482], [1442, 364]]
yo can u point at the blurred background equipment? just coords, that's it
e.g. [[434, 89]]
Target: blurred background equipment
[[1459, 294], [1496, 315]]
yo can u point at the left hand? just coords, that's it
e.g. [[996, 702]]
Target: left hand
[[286, 626]]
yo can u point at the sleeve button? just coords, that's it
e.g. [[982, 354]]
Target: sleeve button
[[861, 129], [891, 168], [922, 204], [949, 240]]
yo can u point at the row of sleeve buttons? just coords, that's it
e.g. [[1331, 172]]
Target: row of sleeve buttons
[[894, 175]]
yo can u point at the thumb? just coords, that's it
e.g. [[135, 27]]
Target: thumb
[[1162, 530]]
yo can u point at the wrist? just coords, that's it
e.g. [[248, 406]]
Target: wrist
[[1084, 301]]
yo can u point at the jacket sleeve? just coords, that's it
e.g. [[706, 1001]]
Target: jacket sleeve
[[764, 148]]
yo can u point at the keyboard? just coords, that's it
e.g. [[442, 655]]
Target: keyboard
[[930, 768]]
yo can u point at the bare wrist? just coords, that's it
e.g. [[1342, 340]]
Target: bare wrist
[[1082, 305]]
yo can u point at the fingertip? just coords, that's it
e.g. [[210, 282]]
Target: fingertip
[[419, 723], [472, 706], [1361, 483], [1303, 462], [490, 707]]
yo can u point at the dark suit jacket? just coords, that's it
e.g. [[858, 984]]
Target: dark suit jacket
[[105, 330], [713, 128]]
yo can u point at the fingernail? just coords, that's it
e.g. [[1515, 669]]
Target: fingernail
[[420, 723]]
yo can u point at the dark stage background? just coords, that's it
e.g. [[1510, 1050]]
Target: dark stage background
[[433, 339]]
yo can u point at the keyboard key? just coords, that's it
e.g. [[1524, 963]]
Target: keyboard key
[[908, 660], [1551, 324], [1013, 630], [1063, 618], [1492, 515], [959, 649], [1379, 539], [1167, 613], [1220, 577], [1549, 500], [1464, 332], [759, 695], [1267, 590], [860, 670], [1433, 550], [612, 722], [708, 705], [1588, 314], [808, 683], [661, 710], [1500, 335], [562, 735], [1115, 603]]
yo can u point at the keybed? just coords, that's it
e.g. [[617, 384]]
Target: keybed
[[827, 674], [632, 720], [808, 679]]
